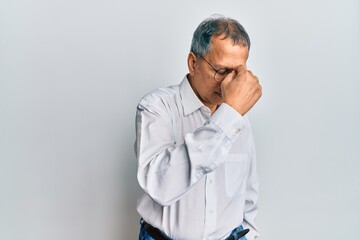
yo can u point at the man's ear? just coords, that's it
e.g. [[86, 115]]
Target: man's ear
[[192, 61]]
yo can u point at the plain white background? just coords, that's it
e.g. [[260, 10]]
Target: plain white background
[[72, 72]]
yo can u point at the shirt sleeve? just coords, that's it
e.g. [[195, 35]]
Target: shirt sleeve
[[251, 201], [166, 169]]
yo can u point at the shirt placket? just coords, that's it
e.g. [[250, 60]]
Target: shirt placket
[[210, 194], [210, 205]]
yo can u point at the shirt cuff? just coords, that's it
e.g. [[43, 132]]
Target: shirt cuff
[[229, 121]]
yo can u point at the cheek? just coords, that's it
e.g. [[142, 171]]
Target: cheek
[[211, 90], [214, 87], [206, 86]]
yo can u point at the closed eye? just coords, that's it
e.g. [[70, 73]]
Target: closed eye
[[224, 71]]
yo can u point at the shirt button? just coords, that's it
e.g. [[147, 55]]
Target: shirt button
[[211, 211], [211, 181], [237, 130]]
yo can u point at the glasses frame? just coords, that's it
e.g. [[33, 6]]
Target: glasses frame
[[228, 71]]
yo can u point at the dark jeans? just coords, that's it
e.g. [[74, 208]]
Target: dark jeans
[[143, 235]]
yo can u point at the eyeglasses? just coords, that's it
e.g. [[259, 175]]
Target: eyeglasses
[[220, 74]]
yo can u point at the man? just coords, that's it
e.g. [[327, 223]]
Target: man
[[194, 143]]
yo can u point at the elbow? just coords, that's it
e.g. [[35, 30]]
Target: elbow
[[158, 197], [155, 191]]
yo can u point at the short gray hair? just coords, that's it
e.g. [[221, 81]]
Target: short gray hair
[[214, 27]]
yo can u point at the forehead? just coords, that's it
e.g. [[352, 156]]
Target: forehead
[[224, 52]]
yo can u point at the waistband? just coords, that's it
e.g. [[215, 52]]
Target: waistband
[[157, 234]]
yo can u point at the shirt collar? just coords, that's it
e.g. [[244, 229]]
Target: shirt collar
[[190, 101]]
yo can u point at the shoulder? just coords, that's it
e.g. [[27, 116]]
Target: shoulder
[[161, 97]]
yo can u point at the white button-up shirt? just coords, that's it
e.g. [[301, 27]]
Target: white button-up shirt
[[198, 170]]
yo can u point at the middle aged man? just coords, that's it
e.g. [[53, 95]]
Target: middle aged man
[[194, 143]]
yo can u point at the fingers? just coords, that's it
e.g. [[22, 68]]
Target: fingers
[[259, 87], [229, 77], [241, 89], [257, 79], [241, 69]]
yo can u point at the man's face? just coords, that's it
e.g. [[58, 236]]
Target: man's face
[[223, 55]]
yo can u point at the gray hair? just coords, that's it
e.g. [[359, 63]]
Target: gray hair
[[214, 27]]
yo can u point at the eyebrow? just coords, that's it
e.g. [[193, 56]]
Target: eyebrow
[[218, 67]]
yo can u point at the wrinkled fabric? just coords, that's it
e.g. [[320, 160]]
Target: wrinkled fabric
[[198, 170]]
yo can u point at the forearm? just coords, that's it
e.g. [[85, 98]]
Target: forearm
[[167, 171]]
